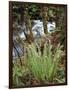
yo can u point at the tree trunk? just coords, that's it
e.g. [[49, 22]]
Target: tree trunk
[[28, 24], [44, 11]]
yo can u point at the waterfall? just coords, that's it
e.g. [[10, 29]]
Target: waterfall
[[37, 29]]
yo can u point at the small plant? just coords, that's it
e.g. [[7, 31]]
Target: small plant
[[51, 61], [18, 72], [44, 67]]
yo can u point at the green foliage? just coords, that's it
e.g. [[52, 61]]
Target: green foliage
[[61, 75], [18, 71], [44, 67]]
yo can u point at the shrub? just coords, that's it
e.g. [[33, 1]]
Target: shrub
[[44, 67], [18, 73]]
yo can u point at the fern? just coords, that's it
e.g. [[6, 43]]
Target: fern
[[44, 67]]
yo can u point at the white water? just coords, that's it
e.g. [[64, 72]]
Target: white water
[[37, 29]]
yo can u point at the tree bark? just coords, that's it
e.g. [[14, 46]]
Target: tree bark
[[44, 11], [27, 21]]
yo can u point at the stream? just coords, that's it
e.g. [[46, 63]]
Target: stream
[[38, 31]]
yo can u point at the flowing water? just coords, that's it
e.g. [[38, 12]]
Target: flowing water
[[37, 29]]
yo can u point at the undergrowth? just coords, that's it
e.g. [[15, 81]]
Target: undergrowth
[[44, 66]]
